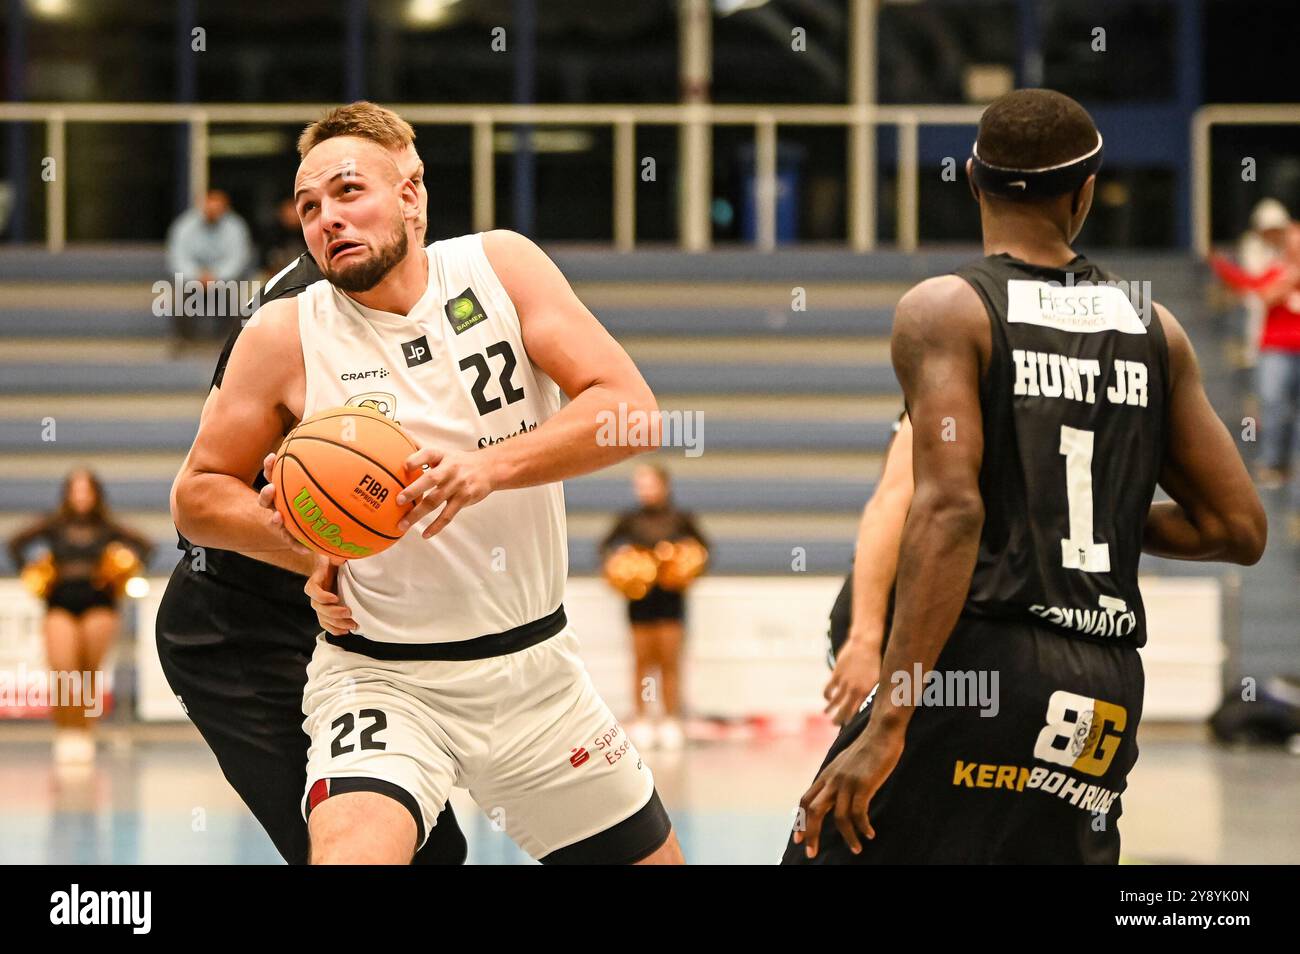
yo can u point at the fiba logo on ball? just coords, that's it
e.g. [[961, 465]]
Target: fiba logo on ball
[[371, 491]]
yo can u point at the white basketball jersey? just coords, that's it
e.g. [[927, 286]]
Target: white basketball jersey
[[454, 374]]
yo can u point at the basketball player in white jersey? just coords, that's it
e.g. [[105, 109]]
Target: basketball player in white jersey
[[462, 669]]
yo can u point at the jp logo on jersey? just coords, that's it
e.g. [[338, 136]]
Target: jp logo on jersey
[[417, 351]]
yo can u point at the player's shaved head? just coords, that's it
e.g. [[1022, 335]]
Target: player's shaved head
[[1034, 129]]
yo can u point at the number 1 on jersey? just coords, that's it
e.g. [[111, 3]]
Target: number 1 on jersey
[[1078, 552]]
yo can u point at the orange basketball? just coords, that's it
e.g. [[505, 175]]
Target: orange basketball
[[337, 476]]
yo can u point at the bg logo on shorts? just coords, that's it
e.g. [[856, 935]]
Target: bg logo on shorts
[[1081, 733]]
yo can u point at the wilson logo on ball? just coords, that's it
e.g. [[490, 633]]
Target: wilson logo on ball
[[317, 524]]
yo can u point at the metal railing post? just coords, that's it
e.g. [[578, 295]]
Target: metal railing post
[[56, 189], [861, 211], [1200, 197], [908, 185], [765, 183], [625, 178], [483, 175], [198, 173]]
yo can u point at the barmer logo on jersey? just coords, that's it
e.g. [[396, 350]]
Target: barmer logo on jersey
[[315, 521], [464, 311], [417, 351], [363, 375]]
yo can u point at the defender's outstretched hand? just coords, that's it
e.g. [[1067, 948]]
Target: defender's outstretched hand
[[455, 478], [322, 589], [857, 670], [266, 499]]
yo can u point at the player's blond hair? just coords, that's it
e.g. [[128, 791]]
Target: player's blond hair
[[360, 119]]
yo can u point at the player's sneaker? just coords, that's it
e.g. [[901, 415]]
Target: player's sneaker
[[671, 736], [642, 734], [73, 747]]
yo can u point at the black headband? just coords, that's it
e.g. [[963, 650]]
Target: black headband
[[1034, 183]]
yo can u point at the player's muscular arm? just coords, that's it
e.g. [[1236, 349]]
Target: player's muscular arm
[[1215, 513], [941, 333], [213, 502], [566, 341], [940, 343], [292, 560]]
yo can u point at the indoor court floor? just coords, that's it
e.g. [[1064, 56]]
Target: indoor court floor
[[155, 795]]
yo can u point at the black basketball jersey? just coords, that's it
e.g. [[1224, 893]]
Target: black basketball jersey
[[272, 582], [1073, 405]]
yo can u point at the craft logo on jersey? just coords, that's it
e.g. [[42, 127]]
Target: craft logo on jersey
[[464, 311], [381, 401], [417, 351], [362, 375]]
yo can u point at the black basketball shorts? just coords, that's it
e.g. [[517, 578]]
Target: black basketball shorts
[[1017, 754]]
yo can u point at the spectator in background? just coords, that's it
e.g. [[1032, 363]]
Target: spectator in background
[[88, 558], [657, 616], [206, 244], [1270, 274], [283, 242]]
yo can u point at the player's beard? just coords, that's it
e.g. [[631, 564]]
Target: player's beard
[[363, 276]]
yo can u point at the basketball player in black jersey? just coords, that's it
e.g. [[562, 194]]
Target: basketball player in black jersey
[[235, 632], [1045, 411]]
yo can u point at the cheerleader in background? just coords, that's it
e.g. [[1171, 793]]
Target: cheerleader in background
[[652, 555], [81, 577]]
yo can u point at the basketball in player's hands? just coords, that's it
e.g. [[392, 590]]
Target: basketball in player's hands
[[337, 476]]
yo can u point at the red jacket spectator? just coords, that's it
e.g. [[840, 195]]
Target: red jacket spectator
[[1277, 286]]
